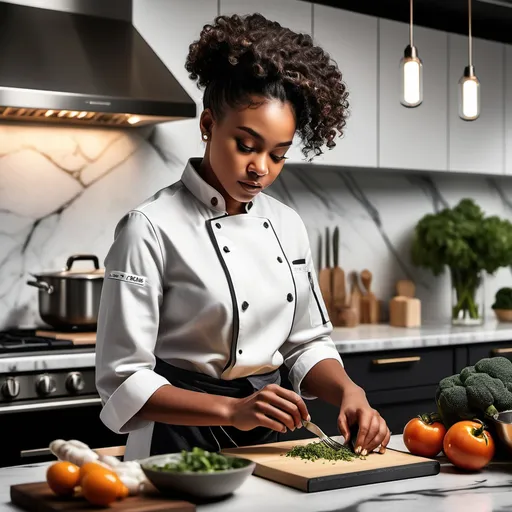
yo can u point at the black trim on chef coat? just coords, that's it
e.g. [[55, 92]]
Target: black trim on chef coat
[[174, 438], [236, 320]]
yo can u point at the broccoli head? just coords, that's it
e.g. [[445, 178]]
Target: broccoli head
[[466, 372], [497, 367], [487, 394], [453, 404], [447, 382], [478, 391]]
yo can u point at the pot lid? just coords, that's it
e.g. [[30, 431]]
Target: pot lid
[[69, 273], [74, 274]]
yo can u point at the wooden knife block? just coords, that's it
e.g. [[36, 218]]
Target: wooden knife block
[[404, 312]]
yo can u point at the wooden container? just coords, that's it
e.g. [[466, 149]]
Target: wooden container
[[369, 303], [405, 309], [503, 315]]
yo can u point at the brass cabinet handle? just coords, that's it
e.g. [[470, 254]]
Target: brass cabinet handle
[[397, 360], [496, 351]]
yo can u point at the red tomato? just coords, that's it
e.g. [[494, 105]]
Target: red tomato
[[424, 435], [468, 446]]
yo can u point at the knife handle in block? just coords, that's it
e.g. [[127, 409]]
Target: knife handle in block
[[325, 283], [339, 295]]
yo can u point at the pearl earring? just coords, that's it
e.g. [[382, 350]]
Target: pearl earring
[[205, 136]]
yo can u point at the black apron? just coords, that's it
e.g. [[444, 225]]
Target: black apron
[[174, 438]]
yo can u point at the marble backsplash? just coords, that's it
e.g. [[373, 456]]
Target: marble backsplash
[[63, 189]]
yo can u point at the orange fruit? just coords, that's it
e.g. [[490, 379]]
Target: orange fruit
[[88, 467], [100, 488], [63, 477], [122, 491]]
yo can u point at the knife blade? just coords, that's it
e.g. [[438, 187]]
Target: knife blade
[[336, 246], [320, 261], [327, 248]]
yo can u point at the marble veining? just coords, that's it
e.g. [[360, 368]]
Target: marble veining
[[383, 337], [452, 490], [63, 189]]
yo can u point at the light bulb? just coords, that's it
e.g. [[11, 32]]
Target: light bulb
[[469, 95], [411, 77]]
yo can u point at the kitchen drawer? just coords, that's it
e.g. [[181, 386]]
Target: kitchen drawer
[[477, 352], [400, 368]]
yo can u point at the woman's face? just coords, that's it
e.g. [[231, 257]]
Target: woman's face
[[246, 149]]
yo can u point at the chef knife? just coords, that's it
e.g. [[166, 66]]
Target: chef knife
[[325, 276], [338, 276]]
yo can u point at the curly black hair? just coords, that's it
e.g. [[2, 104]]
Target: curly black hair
[[237, 57]]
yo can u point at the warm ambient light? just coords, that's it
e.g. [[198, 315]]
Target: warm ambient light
[[411, 72], [84, 118], [469, 96], [412, 81], [469, 86]]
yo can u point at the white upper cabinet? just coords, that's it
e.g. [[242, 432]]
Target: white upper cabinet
[[169, 28], [413, 138], [508, 109], [351, 40], [477, 146], [293, 14]]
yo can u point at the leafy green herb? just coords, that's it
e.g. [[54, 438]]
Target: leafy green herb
[[315, 451], [503, 299], [467, 242], [201, 461]]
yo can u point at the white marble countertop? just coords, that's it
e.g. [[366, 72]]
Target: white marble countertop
[[370, 338], [451, 490]]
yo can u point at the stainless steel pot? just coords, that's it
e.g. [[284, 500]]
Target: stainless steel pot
[[70, 298]]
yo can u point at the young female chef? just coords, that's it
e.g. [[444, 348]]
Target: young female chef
[[209, 284]]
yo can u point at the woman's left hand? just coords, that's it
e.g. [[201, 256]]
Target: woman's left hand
[[373, 431]]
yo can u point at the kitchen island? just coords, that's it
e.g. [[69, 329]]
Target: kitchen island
[[451, 490]]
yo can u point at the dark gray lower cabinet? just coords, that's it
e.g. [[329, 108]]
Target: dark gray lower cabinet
[[400, 384]]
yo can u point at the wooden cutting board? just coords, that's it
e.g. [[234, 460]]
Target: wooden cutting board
[[78, 338], [320, 475], [38, 497]]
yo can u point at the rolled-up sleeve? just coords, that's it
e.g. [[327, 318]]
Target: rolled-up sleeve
[[309, 341], [128, 322]]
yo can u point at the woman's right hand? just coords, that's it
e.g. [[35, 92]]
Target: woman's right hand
[[273, 407]]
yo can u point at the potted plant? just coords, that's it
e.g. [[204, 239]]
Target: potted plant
[[469, 244], [503, 305]]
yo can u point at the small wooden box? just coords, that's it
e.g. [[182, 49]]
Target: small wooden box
[[404, 312]]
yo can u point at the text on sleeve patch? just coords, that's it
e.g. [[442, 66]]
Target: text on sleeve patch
[[127, 278]]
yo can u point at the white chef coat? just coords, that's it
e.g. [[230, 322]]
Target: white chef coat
[[224, 295]]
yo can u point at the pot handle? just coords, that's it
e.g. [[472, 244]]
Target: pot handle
[[42, 285], [82, 257]]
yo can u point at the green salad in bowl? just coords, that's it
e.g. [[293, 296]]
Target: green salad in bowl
[[197, 473]]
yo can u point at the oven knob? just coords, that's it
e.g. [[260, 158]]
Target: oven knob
[[75, 382], [11, 387], [45, 385]]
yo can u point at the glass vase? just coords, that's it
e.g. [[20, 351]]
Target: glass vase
[[468, 295]]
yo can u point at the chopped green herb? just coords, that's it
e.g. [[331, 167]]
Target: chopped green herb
[[201, 461], [315, 451]]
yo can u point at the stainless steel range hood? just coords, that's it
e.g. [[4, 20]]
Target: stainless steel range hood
[[61, 67]]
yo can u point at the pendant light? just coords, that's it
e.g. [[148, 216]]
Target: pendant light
[[411, 73], [469, 86]]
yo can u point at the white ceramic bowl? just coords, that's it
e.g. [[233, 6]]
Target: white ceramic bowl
[[202, 485]]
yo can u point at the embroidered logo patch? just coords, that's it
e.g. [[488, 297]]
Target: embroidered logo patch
[[128, 278]]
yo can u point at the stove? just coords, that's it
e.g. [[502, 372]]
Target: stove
[[34, 367], [47, 392], [26, 340]]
